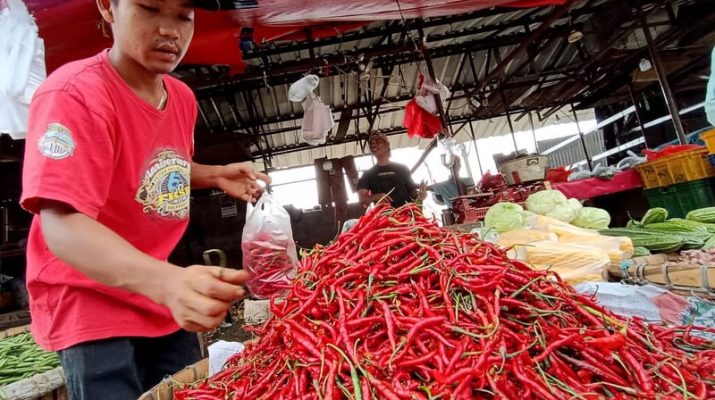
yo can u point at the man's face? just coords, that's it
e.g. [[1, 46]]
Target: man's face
[[153, 33], [378, 146]]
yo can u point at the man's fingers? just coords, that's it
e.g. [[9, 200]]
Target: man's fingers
[[265, 178], [200, 304], [230, 275], [216, 287], [203, 323], [193, 327]]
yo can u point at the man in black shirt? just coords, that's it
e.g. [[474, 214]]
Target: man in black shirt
[[386, 179]]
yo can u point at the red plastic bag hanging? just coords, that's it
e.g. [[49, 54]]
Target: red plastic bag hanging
[[419, 122], [269, 252], [669, 150]]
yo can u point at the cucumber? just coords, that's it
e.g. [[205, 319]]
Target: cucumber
[[655, 241], [708, 226], [628, 232], [702, 215], [659, 243], [677, 226], [640, 252], [655, 215]]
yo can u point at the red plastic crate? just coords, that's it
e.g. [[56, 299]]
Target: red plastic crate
[[468, 215]]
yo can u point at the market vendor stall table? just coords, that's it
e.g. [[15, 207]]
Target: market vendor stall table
[[595, 187]]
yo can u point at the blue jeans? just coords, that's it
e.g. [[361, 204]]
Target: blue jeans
[[124, 368]]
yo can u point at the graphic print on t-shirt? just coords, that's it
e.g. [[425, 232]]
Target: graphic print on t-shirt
[[165, 187], [57, 142]]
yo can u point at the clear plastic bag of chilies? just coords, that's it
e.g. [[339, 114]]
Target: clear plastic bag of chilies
[[269, 252]]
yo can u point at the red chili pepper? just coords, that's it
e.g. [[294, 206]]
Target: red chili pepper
[[389, 324], [555, 346], [643, 377]]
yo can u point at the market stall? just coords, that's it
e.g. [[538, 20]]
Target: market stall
[[523, 291]]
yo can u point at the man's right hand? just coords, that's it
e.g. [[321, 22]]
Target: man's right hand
[[199, 296]]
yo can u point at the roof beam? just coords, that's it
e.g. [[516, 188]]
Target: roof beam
[[525, 81], [524, 43]]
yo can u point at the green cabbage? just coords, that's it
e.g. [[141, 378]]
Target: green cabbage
[[504, 217], [545, 201], [567, 211], [592, 218]]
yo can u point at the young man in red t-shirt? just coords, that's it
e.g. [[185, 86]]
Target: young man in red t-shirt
[[107, 174]]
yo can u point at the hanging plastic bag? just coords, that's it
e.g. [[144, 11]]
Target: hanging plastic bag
[[449, 150], [425, 96], [317, 121], [22, 69], [303, 88], [269, 252], [419, 122]]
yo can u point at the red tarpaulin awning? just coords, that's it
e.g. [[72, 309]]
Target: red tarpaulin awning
[[71, 29]]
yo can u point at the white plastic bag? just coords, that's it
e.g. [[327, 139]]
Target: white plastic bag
[[317, 121], [425, 96], [303, 88], [22, 67], [630, 161], [269, 252]]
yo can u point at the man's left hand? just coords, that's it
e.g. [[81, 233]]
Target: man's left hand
[[241, 181]]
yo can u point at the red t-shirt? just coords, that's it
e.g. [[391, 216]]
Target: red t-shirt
[[96, 145]]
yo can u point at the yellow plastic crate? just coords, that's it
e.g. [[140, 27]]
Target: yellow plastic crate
[[687, 166], [709, 139], [663, 172], [648, 174]]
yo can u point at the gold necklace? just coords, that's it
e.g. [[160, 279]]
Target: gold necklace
[[164, 96]]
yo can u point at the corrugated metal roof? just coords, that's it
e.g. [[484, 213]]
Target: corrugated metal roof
[[573, 152], [482, 129], [254, 107]]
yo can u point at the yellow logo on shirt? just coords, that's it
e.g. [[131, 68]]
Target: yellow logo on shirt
[[165, 189]]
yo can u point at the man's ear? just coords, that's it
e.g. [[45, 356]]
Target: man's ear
[[105, 8]]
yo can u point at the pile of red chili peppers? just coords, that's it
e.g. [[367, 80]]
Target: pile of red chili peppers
[[398, 308]]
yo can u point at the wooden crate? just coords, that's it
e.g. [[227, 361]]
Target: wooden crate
[[46, 386], [165, 389], [14, 319]]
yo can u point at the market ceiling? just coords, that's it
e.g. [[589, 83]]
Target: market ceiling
[[496, 57], [71, 28]]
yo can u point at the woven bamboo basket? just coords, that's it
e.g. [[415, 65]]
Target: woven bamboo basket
[[165, 389], [49, 385]]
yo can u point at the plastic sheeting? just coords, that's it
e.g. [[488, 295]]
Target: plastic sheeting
[[594, 187], [24, 69], [70, 28], [282, 12], [653, 303]]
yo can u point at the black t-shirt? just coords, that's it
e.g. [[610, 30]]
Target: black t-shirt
[[393, 179]]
